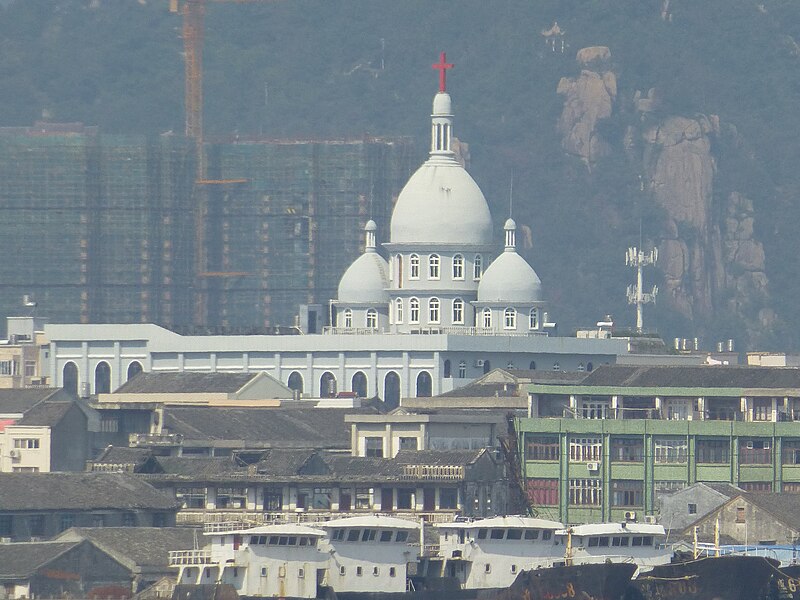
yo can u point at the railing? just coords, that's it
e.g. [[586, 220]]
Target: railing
[[449, 330], [155, 439], [189, 557], [452, 472]]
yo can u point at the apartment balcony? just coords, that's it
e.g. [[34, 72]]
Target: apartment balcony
[[433, 472], [178, 558]]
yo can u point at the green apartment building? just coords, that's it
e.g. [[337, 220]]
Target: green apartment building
[[604, 448]]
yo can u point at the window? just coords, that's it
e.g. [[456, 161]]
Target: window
[[458, 267], [791, 487], [192, 497], [433, 266], [585, 492], [497, 534], [232, 497], [593, 409], [691, 508], [348, 318], [627, 493], [6, 525], [713, 451], [368, 535], [392, 571], [762, 409], [26, 443], [510, 318], [542, 492], [477, 267], [372, 318], [36, 525], [408, 443], [413, 262], [413, 310], [359, 571], [668, 486], [386, 536], [585, 449], [362, 499], [373, 447], [756, 486], [458, 311], [404, 498], [531, 534], [398, 310], [67, 520], [740, 518], [402, 536], [109, 424], [487, 318], [755, 452], [627, 449], [670, 450], [533, 319], [321, 498], [541, 447], [448, 498], [376, 571], [342, 570], [791, 452], [129, 519], [301, 573], [433, 310], [462, 369], [327, 385], [273, 498]]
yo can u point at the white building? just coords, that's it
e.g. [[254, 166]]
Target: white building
[[442, 311]]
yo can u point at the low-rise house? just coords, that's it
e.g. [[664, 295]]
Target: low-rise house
[[299, 484], [37, 506], [679, 510], [64, 569], [143, 551]]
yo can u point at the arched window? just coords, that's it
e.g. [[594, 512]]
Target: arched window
[[487, 318], [462, 369], [487, 366], [424, 385], [532, 366], [433, 266], [433, 310], [295, 382], [398, 310], [589, 367], [70, 378], [533, 319], [458, 311], [458, 267], [413, 310], [327, 385], [413, 262], [477, 267], [391, 390], [510, 318], [360, 384], [102, 378], [447, 369], [134, 369], [372, 318], [348, 318]]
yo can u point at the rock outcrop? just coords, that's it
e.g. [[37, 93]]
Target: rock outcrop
[[588, 99]]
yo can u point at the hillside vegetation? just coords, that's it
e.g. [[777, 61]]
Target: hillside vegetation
[[292, 68]]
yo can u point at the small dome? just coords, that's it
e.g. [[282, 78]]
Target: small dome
[[365, 281], [510, 279], [442, 105], [441, 204]]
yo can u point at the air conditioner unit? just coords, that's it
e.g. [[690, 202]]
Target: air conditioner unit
[[650, 519], [478, 363], [630, 515], [14, 453], [593, 466]]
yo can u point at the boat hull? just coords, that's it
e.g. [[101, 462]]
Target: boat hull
[[785, 583], [714, 578]]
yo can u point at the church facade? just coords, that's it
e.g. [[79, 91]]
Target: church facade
[[448, 305]]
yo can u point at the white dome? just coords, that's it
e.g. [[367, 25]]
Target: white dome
[[510, 279], [365, 281], [442, 105], [441, 204]]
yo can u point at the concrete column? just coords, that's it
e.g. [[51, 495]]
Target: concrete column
[[116, 368], [181, 362], [212, 362], [342, 382], [436, 374], [373, 387], [278, 374], [405, 383], [309, 385], [84, 372], [246, 362], [701, 408]]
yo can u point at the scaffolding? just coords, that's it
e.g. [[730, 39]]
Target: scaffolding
[[102, 228]]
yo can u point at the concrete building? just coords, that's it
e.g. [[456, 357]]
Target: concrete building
[[604, 448]]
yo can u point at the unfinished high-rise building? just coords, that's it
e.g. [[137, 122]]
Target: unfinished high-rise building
[[101, 228]]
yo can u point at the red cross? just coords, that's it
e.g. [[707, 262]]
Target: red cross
[[442, 67]]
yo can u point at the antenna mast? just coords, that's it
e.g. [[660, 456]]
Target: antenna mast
[[636, 295]]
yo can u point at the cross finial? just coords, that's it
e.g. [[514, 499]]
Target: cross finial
[[442, 67]]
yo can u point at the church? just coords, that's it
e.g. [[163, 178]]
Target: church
[[449, 305]]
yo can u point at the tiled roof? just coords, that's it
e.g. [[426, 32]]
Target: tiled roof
[[123, 455], [22, 400], [143, 547], [80, 491], [784, 507], [46, 414], [307, 428], [283, 461], [20, 560], [437, 457], [200, 467], [695, 376], [185, 383]]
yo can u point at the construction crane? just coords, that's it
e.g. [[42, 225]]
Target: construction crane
[[192, 32]]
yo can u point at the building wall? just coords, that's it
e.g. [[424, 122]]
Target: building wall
[[682, 508], [27, 448], [23, 525], [70, 442], [747, 524], [560, 466]]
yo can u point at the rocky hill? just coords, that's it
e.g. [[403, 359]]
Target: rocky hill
[[654, 123]]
